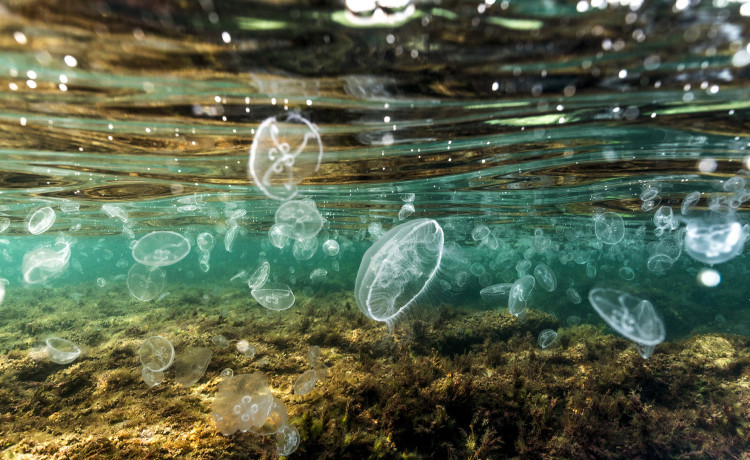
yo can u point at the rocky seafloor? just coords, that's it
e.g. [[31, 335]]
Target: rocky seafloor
[[464, 383]]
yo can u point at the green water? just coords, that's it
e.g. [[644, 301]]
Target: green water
[[522, 116]]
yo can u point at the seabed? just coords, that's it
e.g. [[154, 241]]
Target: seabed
[[468, 383]]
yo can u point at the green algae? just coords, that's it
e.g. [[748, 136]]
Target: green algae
[[464, 384]]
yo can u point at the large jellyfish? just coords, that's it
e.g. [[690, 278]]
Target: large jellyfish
[[398, 268], [632, 317]]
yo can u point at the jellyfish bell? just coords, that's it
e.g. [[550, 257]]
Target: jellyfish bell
[[714, 240], [283, 154], [300, 218], [397, 270], [161, 248], [634, 318]]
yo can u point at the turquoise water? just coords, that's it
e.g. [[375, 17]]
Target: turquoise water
[[531, 118]]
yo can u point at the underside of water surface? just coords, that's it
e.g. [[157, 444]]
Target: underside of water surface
[[512, 228]]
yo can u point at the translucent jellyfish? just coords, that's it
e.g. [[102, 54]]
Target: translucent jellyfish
[[230, 236], [496, 291], [151, 378], [40, 220], [205, 242], [227, 373], [330, 248], [156, 353], [287, 440], [573, 320], [274, 296], [545, 277], [546, 338], [305, 249], [4, 224], [626, 273], [381, 13], [519, 294], [305, 383], [114, 211], [259, 276], [283, 154], [480, 232], [220, 341], [644, 350], [609, 227], [277, 235], [689, 202], [313, 356], [659, 263], [632, 317], [161, 248], [573, 295], [318, 274], [275, 421], [398, 268], [714, 243], [191, 364], [302, 218], [664, 218], [145, 282], [61, 351], [523, 266], [43, 263], [406, 210], [242, 403], [244, 347]]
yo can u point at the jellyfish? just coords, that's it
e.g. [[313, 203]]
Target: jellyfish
[[406, 210], [398, 268], [243, 402], [519, 294], [259, 276], [609, 227], [61, 351], [156, 353], [283, 154], [274, 296], [714, 242], [302, 218], [330, 248], [40, 220], [191, 364], [306, 382], [545, 277], [144, 282], [632, 317], [161, 248], [546, 338]]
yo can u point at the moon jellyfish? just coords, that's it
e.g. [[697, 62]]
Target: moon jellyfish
[[242, 403], [545, 277], [275, 422], [609, 227], [151, 378], [573, 320], [302, 218], [40, 221], [659, 263], [546, 338], [714, 243], [283, 154], [306, 382], [632, 317], [220, 341], [4, 224], [573, 295], [274, 296], [305, 249], [496, 291], [227, 373], [161, 248], [406, 210], [664, 218], [519, 294], [480, 233], [43, 263], [689, 202], [644, 350], [626, 273], [330, 248], [144, 282], [156, 353], [259, 276], [61, 351], [318, 274], [277, 235], [398, 268], [287, 440], [191, 364], [244, 347], [205, 242]]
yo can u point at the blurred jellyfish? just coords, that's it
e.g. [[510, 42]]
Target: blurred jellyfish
[[283, 154], [609, 228], [330, 248], [714, 243], [689, 202], [573, 295], [406, 210], [632, 317], [546, 338], [398, 268], [545, 277], [519, 294]]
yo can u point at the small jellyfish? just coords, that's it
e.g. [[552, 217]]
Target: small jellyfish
[[626, 273], [302, 218], [545, 277], [145, 282], [689, 202], [205, 242], [4, 224], [287, 440], [161, 248], [496, 291], [259, 276], [230, 236], [40, 220], [277, 235], [330, 248], [609, 228], [151, 378], [306, 382], [101, 282], [191, 364], [61, 351], [313, 356], [305, 249], [43, 263], [519, 294], [546, 338], [573, 295], [220, 341], [632, 317], [244, 347], [659, 263], [480, 232], [406, 210], [573, 320], [664, 218], [274, 296], [227, 373], [156, 353], [318, 274]]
